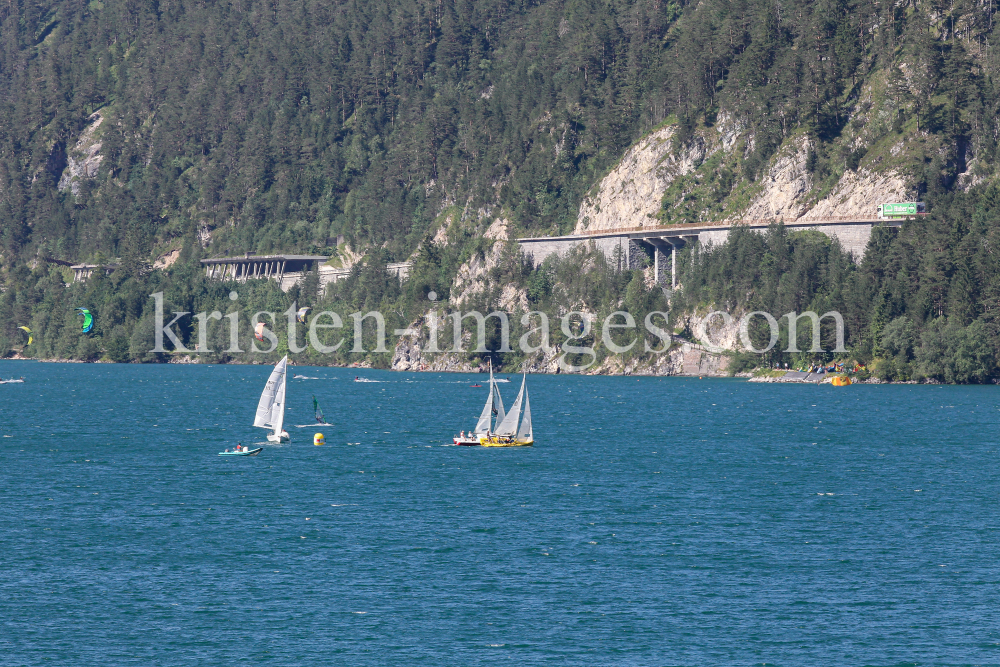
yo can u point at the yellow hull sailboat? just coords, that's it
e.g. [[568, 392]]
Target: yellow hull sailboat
[[504, 442], [493, 408], [508, 432]]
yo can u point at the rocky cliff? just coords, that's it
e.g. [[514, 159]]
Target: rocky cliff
[[84, 160], [661, 181], [630, 195]]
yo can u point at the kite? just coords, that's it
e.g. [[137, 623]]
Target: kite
[[259, 332], [88, 320], [302, 314], [27, 331]]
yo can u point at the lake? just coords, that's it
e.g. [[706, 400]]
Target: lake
[[657, 521]]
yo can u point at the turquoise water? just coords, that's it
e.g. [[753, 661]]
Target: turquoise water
[[657, 522]]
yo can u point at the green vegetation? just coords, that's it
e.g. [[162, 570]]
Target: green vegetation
[[278, 127], [923, 303], [124, 312]]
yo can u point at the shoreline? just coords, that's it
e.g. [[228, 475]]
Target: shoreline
[[808, 378], [470, 371]]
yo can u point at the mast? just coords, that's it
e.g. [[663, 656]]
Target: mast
[[498, 400], [278, 411]]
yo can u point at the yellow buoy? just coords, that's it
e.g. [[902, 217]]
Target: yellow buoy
[[319, 439]]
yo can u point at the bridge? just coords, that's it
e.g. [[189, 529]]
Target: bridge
[[287, 270], [629, 246]]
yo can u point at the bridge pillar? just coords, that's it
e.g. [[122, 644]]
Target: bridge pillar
[[660, 247], [673, 261]]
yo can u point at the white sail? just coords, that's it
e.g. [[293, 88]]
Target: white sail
[[497, 402], [525, 433], [509, 424], [483, 425], [265, 407], [267, 397], [278, 409]]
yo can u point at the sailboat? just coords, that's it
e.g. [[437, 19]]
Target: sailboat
[[493, 408], [508, 432], [271, 408], [320, 420]]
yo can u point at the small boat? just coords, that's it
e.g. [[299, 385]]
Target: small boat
[[476, 386], [493, 407], [318, 412], [271, 407], [508, 433], [840, 381], [245, 451]]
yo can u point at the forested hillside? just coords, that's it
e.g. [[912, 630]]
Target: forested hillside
[[130, 128], [278, 125]]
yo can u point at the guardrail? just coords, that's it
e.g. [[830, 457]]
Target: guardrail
[[750, 222]]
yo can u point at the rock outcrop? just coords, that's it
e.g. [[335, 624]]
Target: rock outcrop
[[785, 186], [84, 160], [859, 192], [472, 277], [630, 195]]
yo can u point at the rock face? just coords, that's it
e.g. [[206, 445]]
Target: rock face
[[859, 192], [786, 185], [683, 358], [630, 195], [84, 160], [715, 333], [787, 189], [167, 260], [473, 276], [410, 354]]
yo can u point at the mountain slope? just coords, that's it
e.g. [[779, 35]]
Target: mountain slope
[[141, 130]]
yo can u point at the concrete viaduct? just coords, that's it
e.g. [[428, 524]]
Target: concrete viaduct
[[287, 270], [629, 246]]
